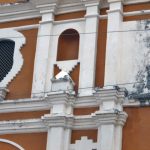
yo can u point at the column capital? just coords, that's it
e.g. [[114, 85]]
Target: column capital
[[46, 6], [115, 6], [115, 1], [65, 121], [91, 2], [92, 8], [110, 99], [111, 118], [61, 98], [112, 94]]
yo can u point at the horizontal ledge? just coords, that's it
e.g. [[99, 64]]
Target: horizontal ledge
[[76, 122]]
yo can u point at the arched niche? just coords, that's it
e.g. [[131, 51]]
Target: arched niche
[[68, 45]]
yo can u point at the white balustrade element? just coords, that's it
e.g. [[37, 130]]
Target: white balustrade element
[[83, 144]]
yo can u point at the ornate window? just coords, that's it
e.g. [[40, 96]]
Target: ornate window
[[11, 60]]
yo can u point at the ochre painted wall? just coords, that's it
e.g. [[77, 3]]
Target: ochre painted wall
[[85, 111], [8, 1], [29, 141], [77, 134], [23, 115], [21, 85], [20, 23], [136, 7], [101, 50], [6, 146], [134, 18], [73, 15], [136, 133]]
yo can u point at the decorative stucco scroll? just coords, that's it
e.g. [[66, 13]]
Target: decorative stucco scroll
[[19, 39]]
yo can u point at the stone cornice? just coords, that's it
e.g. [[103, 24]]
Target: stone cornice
[[24, 105], [110, 94], [22, 126], [30, 10], [60, 98], [35, 104], [104, 118], [115, 1], [66, 121], [91, 3], [46, 6]]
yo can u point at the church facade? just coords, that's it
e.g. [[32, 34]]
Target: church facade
[[74, 74]]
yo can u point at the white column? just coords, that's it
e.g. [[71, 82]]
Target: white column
[[113, 50], [55, 138], [118, 137], [110, 118], [42, 53], [110, 130], [59, 131], [59, 122], [88, 58], [106, 137]]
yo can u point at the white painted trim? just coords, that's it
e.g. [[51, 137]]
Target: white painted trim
[[16, 13], [134, 2], [69, 21], [101, 17], [27, 27], [19, 40], [12, 143], [18, 18], [74, 122], [25, 105], [29, 10], [135, 13], [22, 126], [127, 14]]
